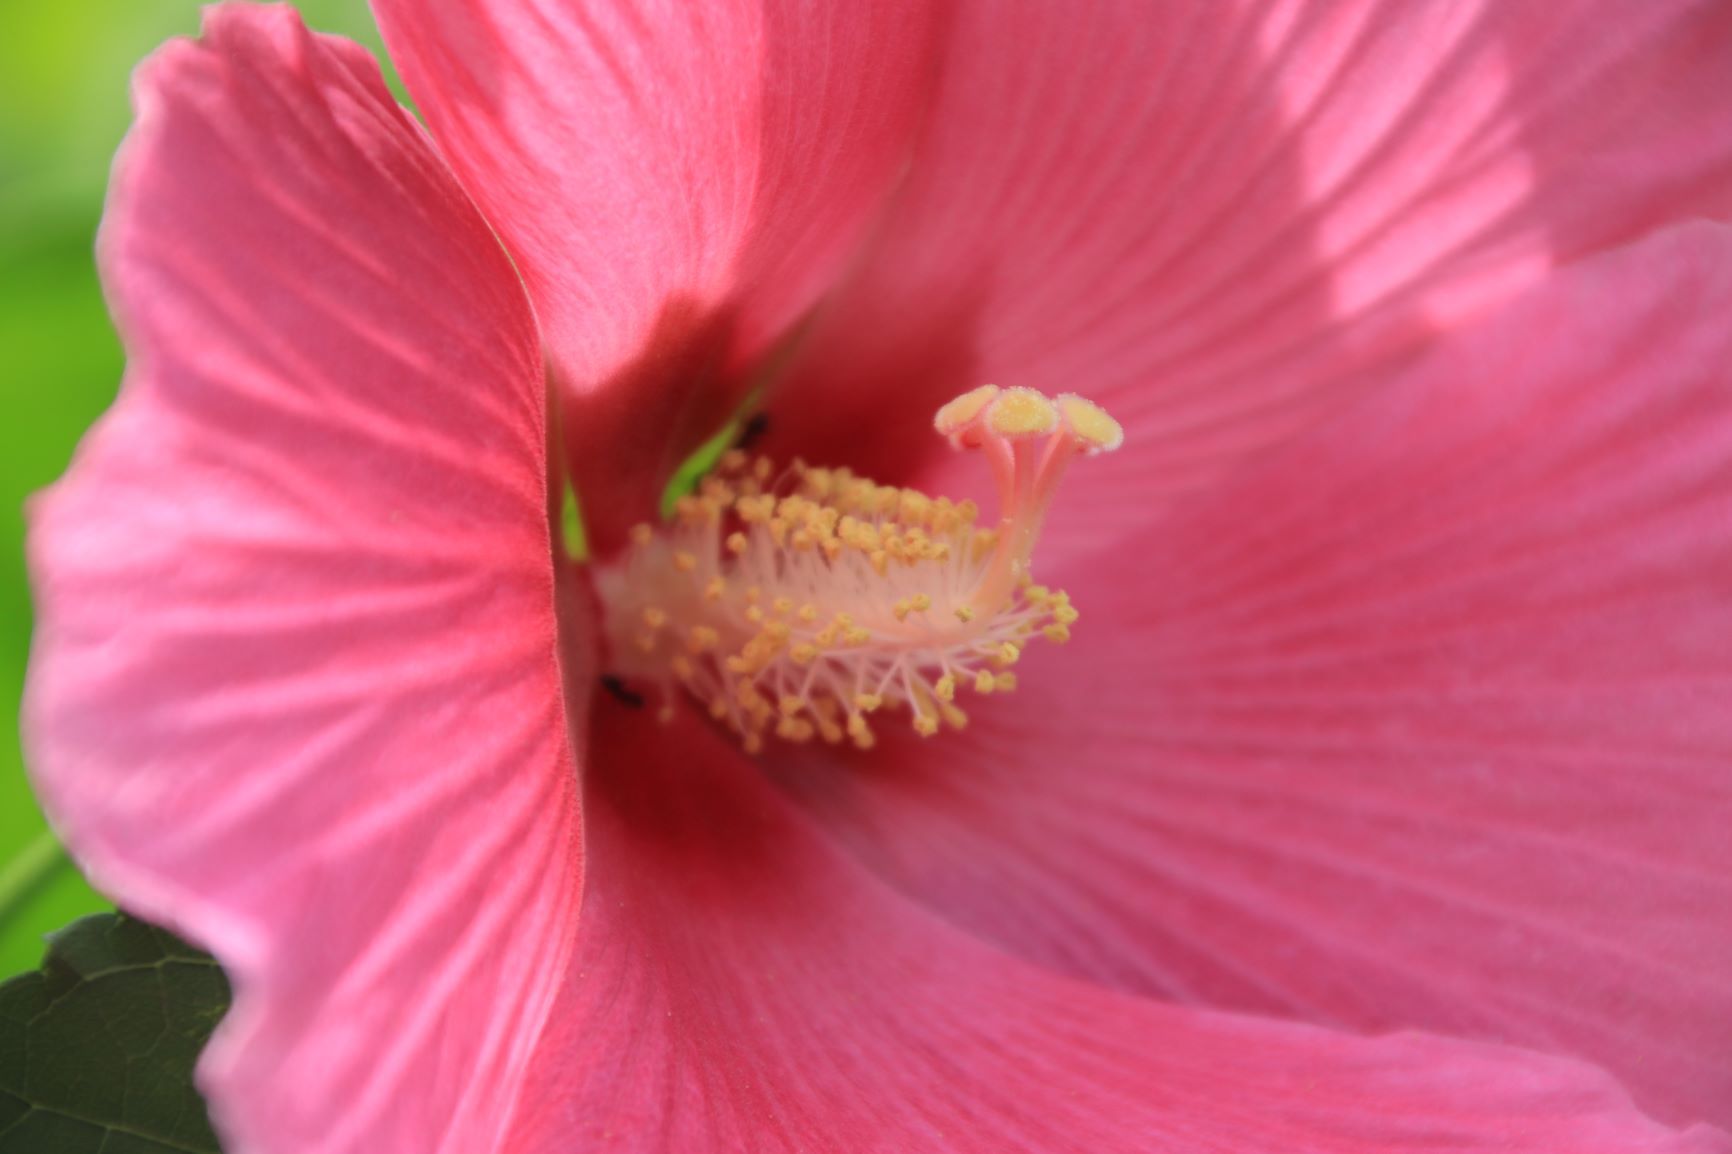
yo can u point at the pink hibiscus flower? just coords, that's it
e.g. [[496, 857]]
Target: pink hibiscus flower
[[1380, 801]]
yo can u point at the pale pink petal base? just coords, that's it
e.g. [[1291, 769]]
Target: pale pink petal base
[[1421, 723], [295, 689], [740, 985], [679, 183]]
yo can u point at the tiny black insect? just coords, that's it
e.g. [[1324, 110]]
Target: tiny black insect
[[753, 430], [630, 698]]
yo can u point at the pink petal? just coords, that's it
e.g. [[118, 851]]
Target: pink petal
[[1421, 724], [678, 182], [1221, 222], [739, 985], [295, 688]]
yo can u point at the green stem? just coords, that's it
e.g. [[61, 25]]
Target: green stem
[[29, 872]]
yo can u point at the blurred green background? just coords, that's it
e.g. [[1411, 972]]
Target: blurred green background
[[64, 72]]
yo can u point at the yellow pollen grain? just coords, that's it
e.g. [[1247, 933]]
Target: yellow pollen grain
[[984, 681], [961, 412], [1020, 412], [685, 562], [737, 543], [642, 535], [965, 613], [1057, 634], [655, 617], [1090, 424]]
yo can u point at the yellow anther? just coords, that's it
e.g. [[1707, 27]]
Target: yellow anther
[[1090, 424], [782, 605], [925, 724], [655, 617], [867, 702], [1005, 682], [714, 588], [790, 705], [1057, 634], [1065, 615], [965, 613], [961, 412], [920, 602], [1008, 653], [945, 688], [702, 638], [808, 613], [804, 653], [857, 636], [642, 535], [737, 543], [984, 681], [1020, 412], [685, 562], [794, 729]]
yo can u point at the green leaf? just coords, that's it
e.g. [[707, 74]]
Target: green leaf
[[97, 1048]]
